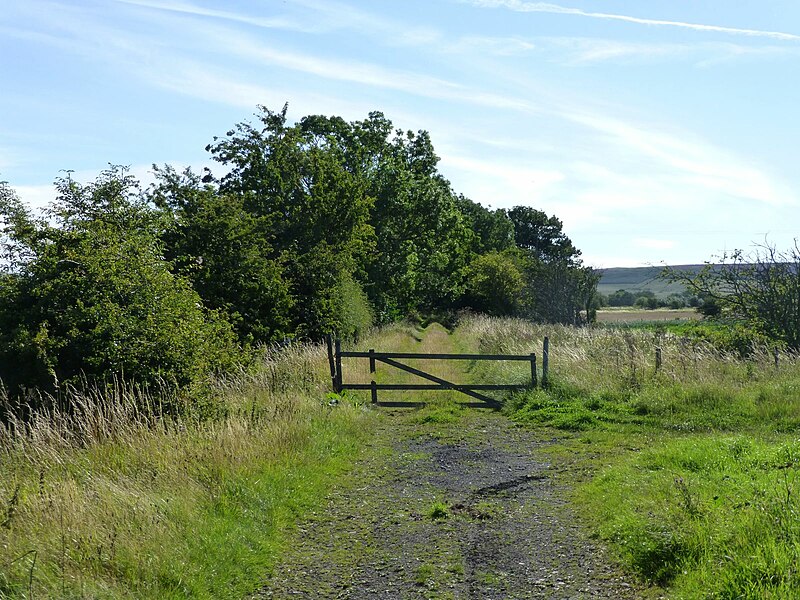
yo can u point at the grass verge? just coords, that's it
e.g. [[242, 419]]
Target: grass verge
[[128, 505], [689, 471]]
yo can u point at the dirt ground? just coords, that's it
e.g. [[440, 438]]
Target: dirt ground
[[467, 509]]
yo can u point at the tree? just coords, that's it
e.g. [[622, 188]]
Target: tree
[[559, 292], [224, 250], [541, 235], [492, 230], [760, 289], [422, 240], [311, 204], [92, 297], [621, 298]]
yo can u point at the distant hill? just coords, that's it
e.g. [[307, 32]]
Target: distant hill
[[641, 279]]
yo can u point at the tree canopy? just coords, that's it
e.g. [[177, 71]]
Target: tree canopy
[[313, 227], [91, 297]]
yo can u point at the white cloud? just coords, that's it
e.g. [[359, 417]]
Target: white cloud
[[694, 160], [544, 7], [578, 51], [500, 184]]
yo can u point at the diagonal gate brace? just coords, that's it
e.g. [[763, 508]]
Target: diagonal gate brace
[[440, 381]]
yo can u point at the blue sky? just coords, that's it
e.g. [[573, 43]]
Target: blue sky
[[658, 131]]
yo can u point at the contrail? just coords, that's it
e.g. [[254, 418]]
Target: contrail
[[544, 7]]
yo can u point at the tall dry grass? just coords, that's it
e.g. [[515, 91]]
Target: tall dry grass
[[119, 498], [622, 359]]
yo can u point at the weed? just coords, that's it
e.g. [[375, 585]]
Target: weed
[[488, 577], [438, 511], [688, 501], [424, 574]]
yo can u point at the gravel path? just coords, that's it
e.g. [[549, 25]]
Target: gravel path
[[470, 509]]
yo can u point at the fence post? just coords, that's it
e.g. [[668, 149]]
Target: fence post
[[777, 357], [374, 389], [658, 359], [371, 360], [338, 344], [545, 361], [331, 363], [533, 370]]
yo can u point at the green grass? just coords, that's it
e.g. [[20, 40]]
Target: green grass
[[691, 473], [125, 505], [712, 516], [438, 511], [688, 472]]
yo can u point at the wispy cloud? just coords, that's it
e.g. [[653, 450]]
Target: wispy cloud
[[544, 7], [494, 46], [192, 9], [313, 17], [524, 183], [577, 51], [691, 159]]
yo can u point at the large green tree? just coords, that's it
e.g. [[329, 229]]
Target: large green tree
[[313, 210], [225, 251], [542, 235]]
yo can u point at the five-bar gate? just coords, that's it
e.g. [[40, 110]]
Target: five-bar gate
[[335, 356]]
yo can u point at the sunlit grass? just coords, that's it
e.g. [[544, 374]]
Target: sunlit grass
[[117, 501], [695, 464]]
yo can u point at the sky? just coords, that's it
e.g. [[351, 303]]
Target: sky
[[664, 131]]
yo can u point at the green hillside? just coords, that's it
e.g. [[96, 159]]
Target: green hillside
[[641, 279]]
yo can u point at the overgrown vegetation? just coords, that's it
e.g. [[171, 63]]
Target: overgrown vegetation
[[143, 396], [112, 499], [697, 461], [760, 290], [315, 227]]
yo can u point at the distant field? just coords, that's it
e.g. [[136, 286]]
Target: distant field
[[641, 279], [632, 315]]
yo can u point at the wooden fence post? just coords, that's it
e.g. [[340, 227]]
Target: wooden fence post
[[374, 388], [331, 363], [545, 361], [338, 344], [533, 370], [372, 360], [658, 359]]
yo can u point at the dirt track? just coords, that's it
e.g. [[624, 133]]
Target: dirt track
[[470, 509]]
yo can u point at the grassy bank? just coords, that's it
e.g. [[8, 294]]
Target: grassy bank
[[119, 503], [694, 465]]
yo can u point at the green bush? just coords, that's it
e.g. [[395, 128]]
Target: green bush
[[92, 298], [353, 311], [494, 284]]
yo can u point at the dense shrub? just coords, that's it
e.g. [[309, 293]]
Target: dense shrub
[[91, 297]]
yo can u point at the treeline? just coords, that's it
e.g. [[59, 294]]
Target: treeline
[[314, 227], [647, 299]]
